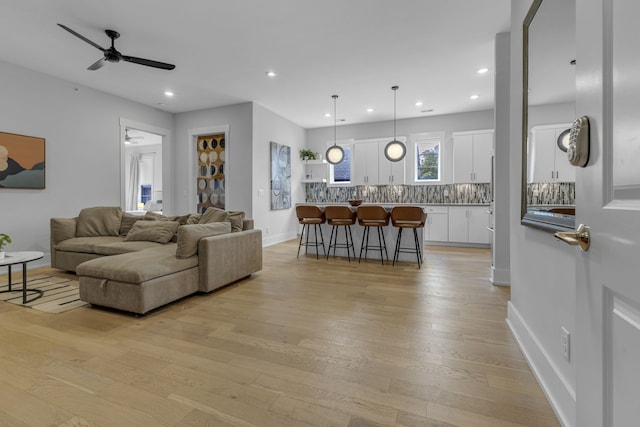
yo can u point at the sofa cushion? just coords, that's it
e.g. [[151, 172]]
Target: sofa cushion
[[117, 248], [152, 231], [127, 221], [99, 221], [213, 215], [86, 245], [194, 218], [190, 235], [137, 267]]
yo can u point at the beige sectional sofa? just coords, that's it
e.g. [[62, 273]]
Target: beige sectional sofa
[[138, 263]]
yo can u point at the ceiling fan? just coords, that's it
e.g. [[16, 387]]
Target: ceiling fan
[[131, 139], [112, 55]]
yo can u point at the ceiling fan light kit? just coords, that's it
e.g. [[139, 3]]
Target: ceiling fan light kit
[[112, 55]]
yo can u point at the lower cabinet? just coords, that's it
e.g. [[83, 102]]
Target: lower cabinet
[[469, 224], [436, 228]]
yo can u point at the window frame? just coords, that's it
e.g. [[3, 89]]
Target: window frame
[[425, 137], [346, 145]]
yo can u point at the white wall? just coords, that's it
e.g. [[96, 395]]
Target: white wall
[[82, 131], [320, 138], [277, 225], [238, 156], [542, 269]]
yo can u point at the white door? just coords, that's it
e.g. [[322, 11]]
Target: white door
[[607, 351]]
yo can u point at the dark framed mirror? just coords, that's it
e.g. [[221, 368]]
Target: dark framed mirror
[[548, 108]]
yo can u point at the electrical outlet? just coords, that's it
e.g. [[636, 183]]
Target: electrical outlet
[[565, 344]]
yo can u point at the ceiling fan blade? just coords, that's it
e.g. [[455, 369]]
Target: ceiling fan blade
[[81, 37], [96, 65], [148, 62]]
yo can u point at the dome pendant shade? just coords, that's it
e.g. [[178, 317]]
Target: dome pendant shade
[[335, 153], [395, 150]]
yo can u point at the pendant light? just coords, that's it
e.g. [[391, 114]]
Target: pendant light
[[395, 150], [335, 153]]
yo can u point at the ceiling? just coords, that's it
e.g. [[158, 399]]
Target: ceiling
[[356, 49]]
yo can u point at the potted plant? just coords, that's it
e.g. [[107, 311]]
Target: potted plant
[[4, 240], [306, 154]]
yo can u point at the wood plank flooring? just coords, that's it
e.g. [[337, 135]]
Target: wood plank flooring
[[304, 342]]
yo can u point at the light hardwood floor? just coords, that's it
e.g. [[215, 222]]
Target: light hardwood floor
[[304, 342]]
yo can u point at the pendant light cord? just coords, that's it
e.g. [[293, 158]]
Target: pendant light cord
[[395, 90], [335, 97]]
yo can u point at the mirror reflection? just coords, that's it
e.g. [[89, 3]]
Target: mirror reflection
[[548, 190]]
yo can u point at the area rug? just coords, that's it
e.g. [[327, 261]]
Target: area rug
[[60, 294]]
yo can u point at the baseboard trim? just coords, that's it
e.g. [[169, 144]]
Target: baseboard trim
[[279, 238], [560, 393], [500, 276]]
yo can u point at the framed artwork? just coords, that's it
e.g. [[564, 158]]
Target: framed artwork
[[211, 169], [280, 176], [21, 161]]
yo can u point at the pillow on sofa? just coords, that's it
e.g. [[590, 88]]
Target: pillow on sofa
[[127, 222], [236, 218], [152, 231], [181, 219], [194, 218], [190, 235], [99, 221], [213, 215]]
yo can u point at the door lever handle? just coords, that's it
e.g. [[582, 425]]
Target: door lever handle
[[581, 237]]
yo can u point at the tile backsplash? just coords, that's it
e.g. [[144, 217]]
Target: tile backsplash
[[551, 193], [425, 194]]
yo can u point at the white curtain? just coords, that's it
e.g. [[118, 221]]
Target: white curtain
[[134, 181]]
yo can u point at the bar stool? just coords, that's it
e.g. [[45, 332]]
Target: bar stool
[[413, 217], [340, 216], [310, 215], [378, 217]]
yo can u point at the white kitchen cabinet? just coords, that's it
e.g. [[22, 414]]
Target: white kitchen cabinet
[[315, 170], [365, 163], [469, 224], [390, 173], [472, 156], [547, 162], [436, 228]]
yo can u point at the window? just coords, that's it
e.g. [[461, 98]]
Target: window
[[341, 173], [145, 193], [428, 159]]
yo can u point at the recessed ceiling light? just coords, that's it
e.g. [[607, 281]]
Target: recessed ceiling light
[[168, 93], [327, 114], [271, 74], [482, 70], [474, 96], [418, 103], [369, 110]]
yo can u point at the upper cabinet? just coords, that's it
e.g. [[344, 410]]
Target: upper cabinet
[[390, 173], [315, 170], [547, 161], [472, 153], [365, 163], [371, 167]]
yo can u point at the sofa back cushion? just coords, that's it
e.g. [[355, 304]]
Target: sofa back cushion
[[152, 231], [189, 236], [99, 221], [237, 220]]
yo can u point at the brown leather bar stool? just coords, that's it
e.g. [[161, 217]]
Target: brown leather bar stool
[[378, 217], [340, 216], [307, 216], [413, 217]]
